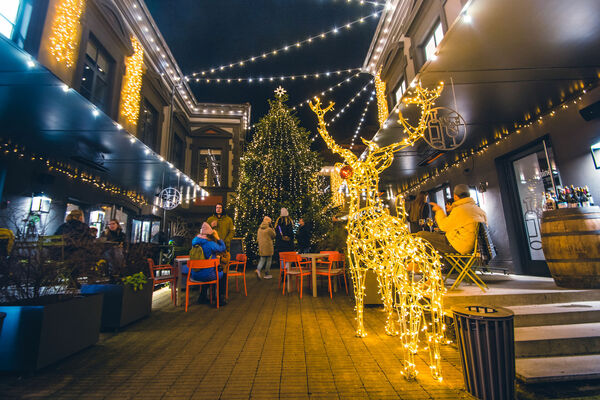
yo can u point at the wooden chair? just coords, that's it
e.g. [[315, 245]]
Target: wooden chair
[[240, 261], [333, 266], [158, 276], [198, 265], [464, 264], [282, 264], [298, 268]]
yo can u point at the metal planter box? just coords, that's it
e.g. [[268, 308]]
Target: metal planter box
[[38, 333], [121, 305]]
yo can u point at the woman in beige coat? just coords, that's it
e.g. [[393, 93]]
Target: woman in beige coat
[[265, 237]]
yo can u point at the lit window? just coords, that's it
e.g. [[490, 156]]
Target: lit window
[[400, 91], [9, 11], [433, 42], [209, 167]]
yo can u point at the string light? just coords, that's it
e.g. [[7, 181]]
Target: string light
[[362, 119], [283, 48], [66, 32], [407, 267], [276, 78], [132, 84], [382, 107]]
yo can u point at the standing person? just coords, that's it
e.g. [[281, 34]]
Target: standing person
[[303, 236], [223, 224], [74, 226], [419, 210], [265, 236], [114, 232], [284, 232], [210, 248], [459, 226]]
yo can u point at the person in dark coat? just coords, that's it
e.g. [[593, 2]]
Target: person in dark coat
[[114, 232], [284, 232], [74, 227], [303, 236]]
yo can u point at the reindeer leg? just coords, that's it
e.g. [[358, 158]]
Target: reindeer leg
[[384, 278], [358, 279]]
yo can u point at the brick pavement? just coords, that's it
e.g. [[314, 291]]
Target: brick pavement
[[265, 346]]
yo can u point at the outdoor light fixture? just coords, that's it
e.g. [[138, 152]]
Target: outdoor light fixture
[[596, 154], [40, 203]]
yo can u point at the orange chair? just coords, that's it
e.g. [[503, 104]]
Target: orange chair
[[157, 275], [282, 264], [336, 259], [240, 260], [298, 268], [196, 265]]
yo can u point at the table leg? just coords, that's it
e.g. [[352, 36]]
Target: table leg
[[314, 276], [178, 295]]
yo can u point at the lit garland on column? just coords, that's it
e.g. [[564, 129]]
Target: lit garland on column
[[66, 32], [382, 107], [132, 83], [408, 269]]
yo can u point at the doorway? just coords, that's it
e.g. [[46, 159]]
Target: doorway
[[526, 175]]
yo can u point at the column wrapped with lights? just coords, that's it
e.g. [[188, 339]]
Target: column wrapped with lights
[[66, 32], [408, 269], [132, 83], [382, 107]]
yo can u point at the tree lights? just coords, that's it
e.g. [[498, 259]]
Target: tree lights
[[132, 84], [380, 242], [66, 33]]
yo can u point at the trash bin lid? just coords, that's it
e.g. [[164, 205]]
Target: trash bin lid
[[482, 311]]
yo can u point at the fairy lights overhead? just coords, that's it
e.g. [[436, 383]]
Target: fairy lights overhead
[[350, 102], [274, 78], [132, 83], [329, 89], [66, 32], [285, 48], [362, 119]]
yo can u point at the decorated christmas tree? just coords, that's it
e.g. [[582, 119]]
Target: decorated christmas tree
[[277, 170]]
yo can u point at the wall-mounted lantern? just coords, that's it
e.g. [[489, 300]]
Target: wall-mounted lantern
[[596, 154], [40, 203]]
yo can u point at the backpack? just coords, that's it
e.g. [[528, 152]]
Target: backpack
[[196, 253]]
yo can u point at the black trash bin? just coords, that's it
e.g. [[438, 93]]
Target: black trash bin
[[485, 338]]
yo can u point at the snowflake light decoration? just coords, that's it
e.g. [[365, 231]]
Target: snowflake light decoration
[[279, 92], [170, 198]]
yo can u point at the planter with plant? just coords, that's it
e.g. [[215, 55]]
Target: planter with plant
[[120, 276], [46, 319]]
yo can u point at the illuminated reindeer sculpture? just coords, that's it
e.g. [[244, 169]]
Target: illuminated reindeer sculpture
[[381, 242]]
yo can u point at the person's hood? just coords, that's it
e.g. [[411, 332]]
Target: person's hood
[[265, 223]]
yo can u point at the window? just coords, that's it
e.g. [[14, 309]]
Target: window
[[9, 11], [178, 156], [209, 167], [433, 41], [148, 125], [400, 91], [96, 74]]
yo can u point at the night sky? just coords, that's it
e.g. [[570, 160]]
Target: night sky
[[204, 34]]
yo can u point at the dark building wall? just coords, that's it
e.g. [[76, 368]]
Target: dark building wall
[[571, 137]]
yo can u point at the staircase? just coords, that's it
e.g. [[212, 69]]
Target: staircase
[[557, 331]]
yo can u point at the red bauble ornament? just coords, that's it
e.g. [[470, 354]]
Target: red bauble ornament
[[346, 172]]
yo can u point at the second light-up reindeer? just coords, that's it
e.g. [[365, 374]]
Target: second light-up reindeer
[[407, 267]]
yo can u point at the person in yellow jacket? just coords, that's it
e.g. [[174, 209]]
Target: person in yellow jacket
[[459, 226], [223, 224]]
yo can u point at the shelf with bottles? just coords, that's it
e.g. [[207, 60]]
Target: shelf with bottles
[[568, 197]]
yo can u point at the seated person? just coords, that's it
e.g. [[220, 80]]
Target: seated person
[[211, 244], [459, 226]]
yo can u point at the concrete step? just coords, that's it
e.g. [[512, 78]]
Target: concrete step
[[557, 340], [556, 313], [558, 369]]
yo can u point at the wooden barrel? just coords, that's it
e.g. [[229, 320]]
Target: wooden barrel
[[571, 244]]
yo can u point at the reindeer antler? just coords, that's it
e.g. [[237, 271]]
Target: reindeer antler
[[347, 155], [425, 99]]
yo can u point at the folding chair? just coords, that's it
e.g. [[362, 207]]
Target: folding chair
[[282, 264], [463, 264], [298, 268], [240, 261]]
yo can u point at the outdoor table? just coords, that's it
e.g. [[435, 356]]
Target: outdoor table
[[313, 258], [179, 262]]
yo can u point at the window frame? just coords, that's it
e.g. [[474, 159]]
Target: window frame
[[97, 74], [432, 36]]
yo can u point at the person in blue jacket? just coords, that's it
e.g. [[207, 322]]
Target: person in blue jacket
[[211, 244]]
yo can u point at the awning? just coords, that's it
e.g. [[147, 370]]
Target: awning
[[505, 64], [39, 112]]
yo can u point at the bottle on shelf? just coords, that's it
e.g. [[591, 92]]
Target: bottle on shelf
[[550, 204], [561, 201], [588, 194]]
